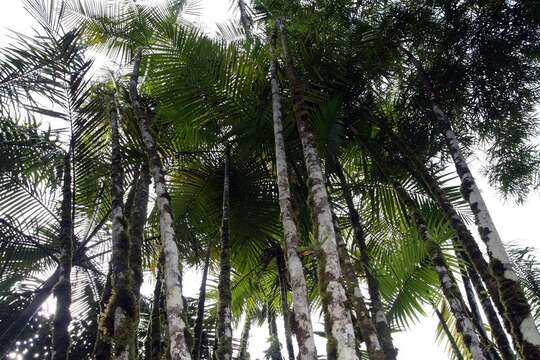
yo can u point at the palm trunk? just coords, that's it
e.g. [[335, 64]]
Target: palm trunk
[[103, 345], [285, 304], [302, 314], [476, 317], [517, 309], [377, 308], [449, 286], [496, 328], [198, 329], [275, 347], [137, 220], [471, 300], [354, 294], [62, 289], [243, 353], [122, 302], [153, 338], [224, 327], [171, 271], [449, 335], [341, 336], [462, 232]]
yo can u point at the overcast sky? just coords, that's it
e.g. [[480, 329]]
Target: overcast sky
[[515, 223]]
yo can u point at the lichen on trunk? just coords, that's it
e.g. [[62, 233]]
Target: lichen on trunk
[[464, 323], [341, 336], [121, 306], [171, 269], [470, 276], [291, 234], [516, 308]]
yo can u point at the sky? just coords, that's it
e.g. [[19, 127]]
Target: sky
[[516, 224]]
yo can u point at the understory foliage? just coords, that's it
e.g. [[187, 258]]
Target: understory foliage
[[361, 193]]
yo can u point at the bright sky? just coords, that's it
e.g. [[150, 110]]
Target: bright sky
[[515, 223]]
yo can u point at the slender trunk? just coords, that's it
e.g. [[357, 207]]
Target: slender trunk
[[104, 336], [354, 294], [285, 304], [224, 327], [245, 19], [14, 329], [153, 338], [243, 353], [122, 302], [449, 286], [476, 317], [103, 345], [341, 336], [274, 351], [291, 234], [495, 325], [471, 300], [517, 309], [198, 329], [331, 349], [377, 308], [62, 289], [462, 232], [449, 335], [171, 270], [137, 220]]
